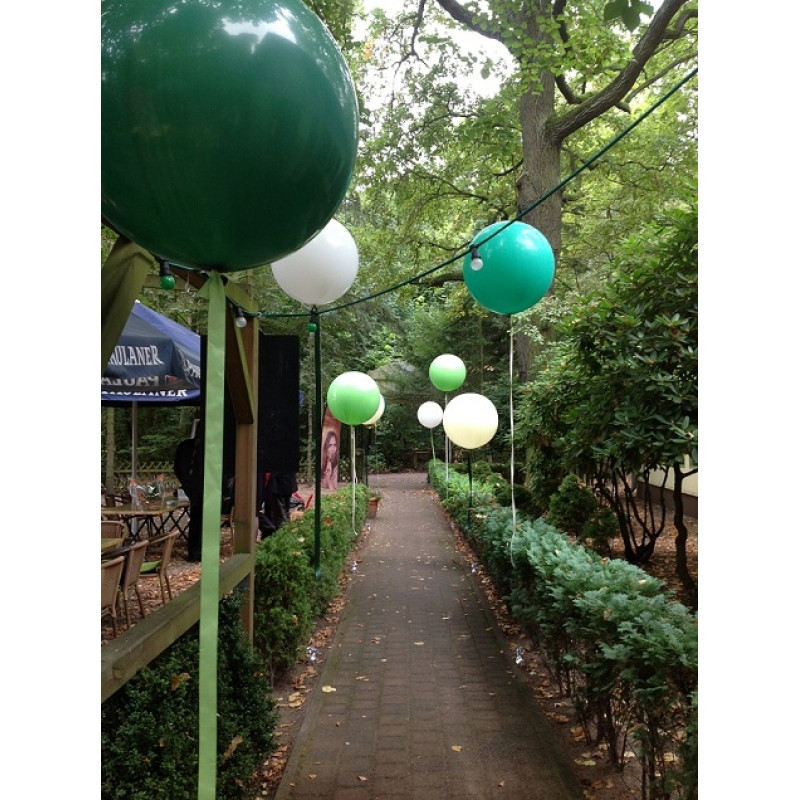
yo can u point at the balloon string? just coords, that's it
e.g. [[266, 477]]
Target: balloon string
[[353, 477], [511, 429], [433, 449], [446, 458]]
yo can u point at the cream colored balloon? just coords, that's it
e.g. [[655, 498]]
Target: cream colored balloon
[[470, 420], [378, 414]]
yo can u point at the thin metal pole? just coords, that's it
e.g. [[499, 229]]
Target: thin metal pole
[[317, 443]]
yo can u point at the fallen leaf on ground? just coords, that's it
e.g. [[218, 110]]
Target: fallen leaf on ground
[[328, 689], [235, 742], [456, 747]]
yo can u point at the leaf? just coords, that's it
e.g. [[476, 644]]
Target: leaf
[[177, 680], [456, 748], [328, 689], [235, 742], [613, 10]]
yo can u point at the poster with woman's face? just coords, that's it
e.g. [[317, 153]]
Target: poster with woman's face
[[331, 428]]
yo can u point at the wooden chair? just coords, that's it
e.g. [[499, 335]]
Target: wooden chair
[[159, 569], [110, 577], [134, 559], [112, 529]]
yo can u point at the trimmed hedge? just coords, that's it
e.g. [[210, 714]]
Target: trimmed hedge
[[615, 638], [149, 728], [289, 597]]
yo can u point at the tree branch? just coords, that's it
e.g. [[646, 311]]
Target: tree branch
[[439, 280], [576, 117], [468, 20]]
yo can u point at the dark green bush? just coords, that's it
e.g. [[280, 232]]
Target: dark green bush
[[571, 505], [615, 638], [282, 614], [289, 595], [600, 528], [149, 728]]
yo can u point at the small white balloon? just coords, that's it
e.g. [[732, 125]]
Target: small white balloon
[[470, 420], [378, 414], [429, 414], [322, 270]]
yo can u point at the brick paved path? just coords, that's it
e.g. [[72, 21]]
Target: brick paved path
[[427, 704]]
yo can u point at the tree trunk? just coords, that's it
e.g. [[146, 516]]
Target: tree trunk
[[682, 568], [542, 160], [541, 173]]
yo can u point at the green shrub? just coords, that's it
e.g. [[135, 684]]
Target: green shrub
[[282, 613], [289, 596], [149, 728], [571, 506], [614, 637]]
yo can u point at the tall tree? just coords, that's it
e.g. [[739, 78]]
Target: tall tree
[[575, 62]]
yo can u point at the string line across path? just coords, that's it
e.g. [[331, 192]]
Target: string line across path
[[418, 698]]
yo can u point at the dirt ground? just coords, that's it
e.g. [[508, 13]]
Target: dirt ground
[[599, 779]]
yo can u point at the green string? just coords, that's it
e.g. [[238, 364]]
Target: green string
[[465, 248]]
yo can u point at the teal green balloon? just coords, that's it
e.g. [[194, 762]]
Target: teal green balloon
[[447, 372], [229, 129], [353, 398], [518, 267]]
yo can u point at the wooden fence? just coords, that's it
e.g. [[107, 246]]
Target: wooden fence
[[146, 473]]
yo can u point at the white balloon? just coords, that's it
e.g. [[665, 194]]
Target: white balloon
[[322, 270], [378, 414], [470, 420], [429, 414]]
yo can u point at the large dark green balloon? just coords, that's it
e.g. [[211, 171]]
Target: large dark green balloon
[[229, 128]]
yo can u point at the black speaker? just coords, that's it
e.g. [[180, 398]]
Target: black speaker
[[278, 404]]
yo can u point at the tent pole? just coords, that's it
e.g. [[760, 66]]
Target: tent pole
[[134, 438]]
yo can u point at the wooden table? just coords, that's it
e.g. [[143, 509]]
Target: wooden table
[[154, 516]]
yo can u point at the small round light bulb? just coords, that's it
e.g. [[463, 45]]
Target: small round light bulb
[[166, 280], [476, 262]]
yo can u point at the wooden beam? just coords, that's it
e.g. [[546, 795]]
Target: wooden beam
[[121, 279], [245, 524], [238, 371], [134, 649]]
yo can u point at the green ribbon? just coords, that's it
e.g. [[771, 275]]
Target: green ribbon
[[213, 424]]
